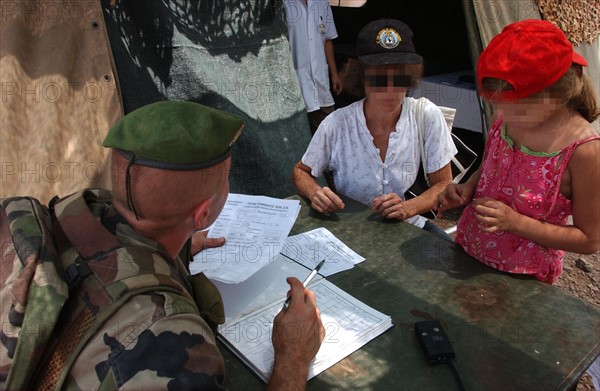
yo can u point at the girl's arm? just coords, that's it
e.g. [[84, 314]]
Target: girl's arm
[[583, 236], [456, 195]]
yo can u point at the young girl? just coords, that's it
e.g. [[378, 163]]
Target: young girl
[[542, 157]]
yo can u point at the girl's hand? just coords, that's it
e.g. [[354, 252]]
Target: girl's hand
[[453, 196], [495, 216]]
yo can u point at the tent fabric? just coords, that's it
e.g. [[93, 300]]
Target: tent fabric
[[493, 16], [64, 85], [234, 56], [475, 48], [59, 97], [580, 20]]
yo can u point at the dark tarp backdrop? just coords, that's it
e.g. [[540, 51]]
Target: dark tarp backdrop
[[233, 55]]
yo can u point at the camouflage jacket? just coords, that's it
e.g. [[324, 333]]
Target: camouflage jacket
[[156, 339]]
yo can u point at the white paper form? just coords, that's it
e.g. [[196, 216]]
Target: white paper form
[[309, 248], [255, 229], [264, 287], [349, 324]]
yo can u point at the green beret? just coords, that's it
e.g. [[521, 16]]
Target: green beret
[[174, 135]]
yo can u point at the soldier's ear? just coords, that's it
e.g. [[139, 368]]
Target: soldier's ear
[[202, 214]]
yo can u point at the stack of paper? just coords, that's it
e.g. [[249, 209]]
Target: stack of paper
[[250, 272], [309, 248], [263, 288], [349, 324]]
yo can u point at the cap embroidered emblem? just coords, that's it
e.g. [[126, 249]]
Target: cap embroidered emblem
[[388, 38]]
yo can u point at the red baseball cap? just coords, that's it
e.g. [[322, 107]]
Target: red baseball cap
[[530, 55]]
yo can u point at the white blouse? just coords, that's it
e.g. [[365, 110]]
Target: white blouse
[[344, 145]]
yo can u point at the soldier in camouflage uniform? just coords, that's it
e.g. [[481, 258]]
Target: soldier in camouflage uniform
[[170, 167]]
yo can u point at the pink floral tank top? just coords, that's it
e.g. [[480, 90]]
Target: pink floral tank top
[[528, 182]]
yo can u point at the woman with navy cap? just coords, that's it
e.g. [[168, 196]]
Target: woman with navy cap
[[372, 146]]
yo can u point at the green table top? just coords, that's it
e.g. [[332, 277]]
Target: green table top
[[508, 331]]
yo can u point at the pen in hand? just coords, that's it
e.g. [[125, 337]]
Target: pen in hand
[[312, 275]]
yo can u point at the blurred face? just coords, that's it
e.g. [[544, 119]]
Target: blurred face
[[529, 112], [386, 85]]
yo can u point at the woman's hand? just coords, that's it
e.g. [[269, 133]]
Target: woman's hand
[[391, 206], [322, 199], [326, 201]]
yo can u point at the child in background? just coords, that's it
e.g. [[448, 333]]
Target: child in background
[[542, 157]]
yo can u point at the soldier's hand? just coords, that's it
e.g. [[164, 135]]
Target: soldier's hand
[[200, 242], [297, 330]]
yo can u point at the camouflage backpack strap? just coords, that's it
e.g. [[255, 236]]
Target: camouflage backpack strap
[[33, 290], [208, 300], [206, 295], [103, 274]]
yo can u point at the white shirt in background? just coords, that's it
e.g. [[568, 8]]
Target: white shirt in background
[[309, 25]]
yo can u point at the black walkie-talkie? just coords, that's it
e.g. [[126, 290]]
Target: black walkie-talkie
[[437, 346], [434, 341]]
